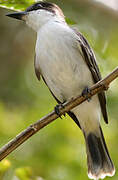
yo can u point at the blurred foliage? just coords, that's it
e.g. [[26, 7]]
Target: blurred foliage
[[16, 4], [24, 173], [4, 167], [58, 151]]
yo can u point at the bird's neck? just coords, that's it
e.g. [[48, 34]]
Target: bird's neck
[[48, 23]]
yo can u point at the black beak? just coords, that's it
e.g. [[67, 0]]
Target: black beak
[[17, 15]]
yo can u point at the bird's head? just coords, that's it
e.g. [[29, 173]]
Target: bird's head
[[38, 14]]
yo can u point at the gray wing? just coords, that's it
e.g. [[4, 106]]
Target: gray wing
[[91, 62]]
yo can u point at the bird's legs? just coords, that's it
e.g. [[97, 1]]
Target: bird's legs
[[57, 109], [85, 92]]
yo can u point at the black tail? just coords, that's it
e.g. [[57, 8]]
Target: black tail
[[99, 162]]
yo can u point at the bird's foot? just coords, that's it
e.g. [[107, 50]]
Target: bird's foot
[[85, 92], [57, 110]]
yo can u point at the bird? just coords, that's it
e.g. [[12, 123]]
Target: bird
[[68, 66]]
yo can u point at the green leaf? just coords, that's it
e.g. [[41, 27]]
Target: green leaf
[[70, 21], [16, 4]]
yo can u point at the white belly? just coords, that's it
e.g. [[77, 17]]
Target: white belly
[[62, 65]]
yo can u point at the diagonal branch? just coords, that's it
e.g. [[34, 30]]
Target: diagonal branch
[[32, 129]]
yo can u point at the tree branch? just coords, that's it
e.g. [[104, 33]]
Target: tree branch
[[32, 129]]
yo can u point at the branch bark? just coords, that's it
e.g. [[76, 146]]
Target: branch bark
[[32, 129]]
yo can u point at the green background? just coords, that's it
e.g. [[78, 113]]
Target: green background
[[57, 152]]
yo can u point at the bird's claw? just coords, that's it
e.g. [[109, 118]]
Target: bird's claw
[[85, 92], [57, 109]]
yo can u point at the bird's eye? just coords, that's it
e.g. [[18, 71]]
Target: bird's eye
[[40, 5]]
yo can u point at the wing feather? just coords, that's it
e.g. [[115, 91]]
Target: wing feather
[[90, 59]]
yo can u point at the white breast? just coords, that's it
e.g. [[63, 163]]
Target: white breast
[[60, 62]]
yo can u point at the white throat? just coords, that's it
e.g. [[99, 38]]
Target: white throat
[[37, 19]]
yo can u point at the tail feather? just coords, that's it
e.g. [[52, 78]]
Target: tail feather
[[99, 162]]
